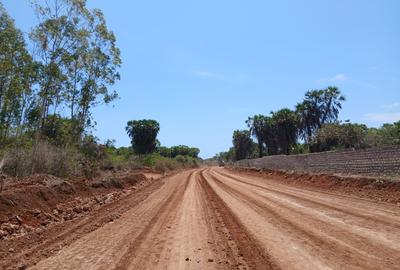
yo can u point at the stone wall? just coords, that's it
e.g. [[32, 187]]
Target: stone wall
[[373, 161]]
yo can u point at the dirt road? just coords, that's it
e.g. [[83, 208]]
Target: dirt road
[[213, 218]]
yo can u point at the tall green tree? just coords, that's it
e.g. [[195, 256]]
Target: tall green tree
[[285, 122], [257, 126], [17, 75], [242, 144], [270, 136], [79, 59], [143, 134], [318, 108]]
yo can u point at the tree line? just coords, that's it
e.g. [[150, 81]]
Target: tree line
[[312, 126], [48, 89], [50, 81], [143, 134]]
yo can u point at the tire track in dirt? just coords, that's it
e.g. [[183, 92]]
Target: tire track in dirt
[[106, 247], [211, 218], [254, 254], [303, 195], [365, 224], [39, 247], [141, 249], [196, 240], [317, 237], [194, 236]]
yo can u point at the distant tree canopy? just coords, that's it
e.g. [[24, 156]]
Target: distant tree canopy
[[225, 156], [242, 144], [317, 108], [334, 136], [143, 134], [279, 132], [182, 150], [257, 126], [285, 126], [312, 126]]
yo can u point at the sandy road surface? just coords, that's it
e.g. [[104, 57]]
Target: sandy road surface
[[216, 219]]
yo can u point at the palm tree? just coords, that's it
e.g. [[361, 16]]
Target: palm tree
[[242, 144], [318, 108], [285, 121], [257, 127]]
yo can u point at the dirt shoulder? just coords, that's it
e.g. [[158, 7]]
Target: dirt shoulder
[[39, 210], [377, 189]]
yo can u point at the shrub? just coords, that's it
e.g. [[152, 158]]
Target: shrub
[[164, 165], [42, 158]]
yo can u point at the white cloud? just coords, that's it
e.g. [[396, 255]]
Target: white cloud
[[383, 117], [208, 74], [337, 78]]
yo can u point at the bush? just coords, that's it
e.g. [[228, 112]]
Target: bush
[[85, 159], [164, 165], [17, 162], [42, 158]]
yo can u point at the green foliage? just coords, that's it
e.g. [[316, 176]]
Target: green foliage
[[18, 73], [76, 63], [270, 136], [388, 134], [143, 134], [123, 157], [61, 131], [300, 148], [315, 122], [285, 124], [277, 133], [46, 97], [92, 149], [227, 156], [78, 56], [164, 151], [179, 150], [354, 135], [257, 125], [242, 144], [336, 136], [317, 108]]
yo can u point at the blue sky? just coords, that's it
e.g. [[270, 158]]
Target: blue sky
[[202, 67]]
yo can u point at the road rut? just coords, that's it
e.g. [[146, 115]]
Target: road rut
[[213, 218]]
